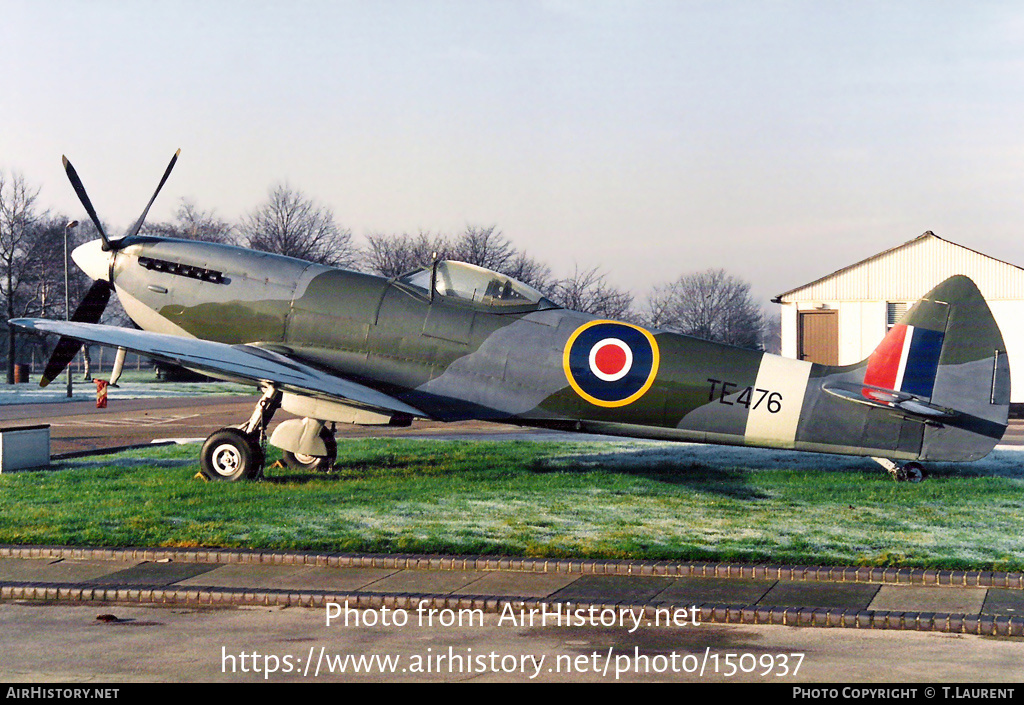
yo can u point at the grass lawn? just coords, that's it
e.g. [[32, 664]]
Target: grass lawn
[[625, 499]]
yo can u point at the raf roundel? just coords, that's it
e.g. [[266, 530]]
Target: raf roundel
[[610, 364]]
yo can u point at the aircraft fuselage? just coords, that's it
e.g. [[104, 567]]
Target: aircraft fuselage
[[456, 358]]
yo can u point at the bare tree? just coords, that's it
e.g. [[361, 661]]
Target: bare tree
[[487, 247], [587, 291], [771, 333], [290, 223], [484, 247], [43, 269], [711, 305], [192, 223], [395, 255], [658, 309], [42, 282], [18, 248], [529, 271]]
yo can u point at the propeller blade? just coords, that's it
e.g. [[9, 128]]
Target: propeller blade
[[84, 198], [142, 218], [94, 303], [88, 311], [62, 356]]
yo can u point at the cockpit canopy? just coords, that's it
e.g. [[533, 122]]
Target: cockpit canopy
[[468, 282]]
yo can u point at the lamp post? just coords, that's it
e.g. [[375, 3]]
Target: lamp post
[[67, 296]]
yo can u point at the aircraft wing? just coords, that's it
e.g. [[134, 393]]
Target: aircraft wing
[[240, 363]]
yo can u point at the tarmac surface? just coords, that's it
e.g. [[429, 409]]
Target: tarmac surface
[[106, 607], [79, 427]]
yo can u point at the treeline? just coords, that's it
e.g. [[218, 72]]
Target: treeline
[[710, 304]]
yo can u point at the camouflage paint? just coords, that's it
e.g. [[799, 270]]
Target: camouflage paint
[[462, 359]]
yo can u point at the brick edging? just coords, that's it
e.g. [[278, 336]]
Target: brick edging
[[848, 574], [955, 623]]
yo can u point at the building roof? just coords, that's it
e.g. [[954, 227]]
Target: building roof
[[908, 271]]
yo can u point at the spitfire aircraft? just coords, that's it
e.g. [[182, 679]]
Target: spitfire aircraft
[[453, 341]]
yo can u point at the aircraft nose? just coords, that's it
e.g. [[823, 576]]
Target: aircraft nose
[[91, 259]]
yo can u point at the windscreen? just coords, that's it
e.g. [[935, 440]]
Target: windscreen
[[460, 280]]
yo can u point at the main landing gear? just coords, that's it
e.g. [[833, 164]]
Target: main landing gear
[[314, 463], [908, 472], [231, 454], [238, 453]]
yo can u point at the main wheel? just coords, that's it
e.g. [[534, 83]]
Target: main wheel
[[229, 454], [314, 463]]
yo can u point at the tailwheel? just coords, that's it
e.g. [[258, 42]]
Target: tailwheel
[[231, 454], [909, 472], [314, 463], [913, 472]]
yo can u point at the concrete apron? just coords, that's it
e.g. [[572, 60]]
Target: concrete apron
[[968, 602]]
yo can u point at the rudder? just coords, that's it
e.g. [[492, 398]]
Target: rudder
[[971, 375]]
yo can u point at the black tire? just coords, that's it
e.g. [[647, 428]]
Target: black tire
[[230, 455], [914, 472], [314, 463]]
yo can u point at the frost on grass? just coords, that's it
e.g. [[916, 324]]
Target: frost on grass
[[125, 463], [622, 499], [1004, 461]]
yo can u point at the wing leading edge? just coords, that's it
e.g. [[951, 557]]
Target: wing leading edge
[[241, 363]]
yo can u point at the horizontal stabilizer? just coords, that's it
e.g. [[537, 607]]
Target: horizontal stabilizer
[[900, 402]]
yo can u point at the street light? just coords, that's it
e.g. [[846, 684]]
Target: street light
[[67, 296]]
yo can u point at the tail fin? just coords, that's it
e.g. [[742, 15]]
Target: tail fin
[[972, 374], [943, 364]]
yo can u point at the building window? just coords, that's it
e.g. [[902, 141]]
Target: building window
[[894, 311]]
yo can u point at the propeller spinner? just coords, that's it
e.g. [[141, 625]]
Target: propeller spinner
[[95, 302]]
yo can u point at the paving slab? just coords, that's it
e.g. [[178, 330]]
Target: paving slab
[[150, 573], [917, 598], [820, 595], [1003, 601], [614, 588], [426, 581], [242, 575], [341, 579], [719, 591], [48, 570], [518, 584], [289, 577]]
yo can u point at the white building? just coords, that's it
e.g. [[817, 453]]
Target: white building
[[840, 318]]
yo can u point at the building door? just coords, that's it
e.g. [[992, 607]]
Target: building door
[[819, 337]]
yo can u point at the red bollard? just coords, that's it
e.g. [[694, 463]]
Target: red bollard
[[101, 393]]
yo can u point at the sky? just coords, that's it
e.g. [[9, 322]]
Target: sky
[[777, 140]]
